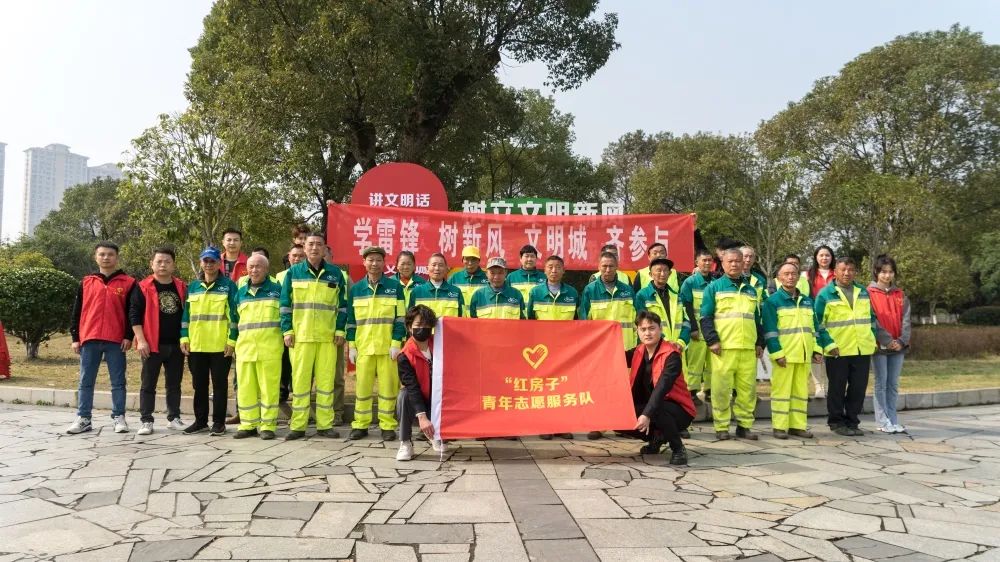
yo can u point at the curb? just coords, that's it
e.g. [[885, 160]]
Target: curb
[[817, 406]]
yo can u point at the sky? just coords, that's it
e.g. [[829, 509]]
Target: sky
[[93, 74]]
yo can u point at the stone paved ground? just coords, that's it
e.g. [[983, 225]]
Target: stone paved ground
[[106, 497]]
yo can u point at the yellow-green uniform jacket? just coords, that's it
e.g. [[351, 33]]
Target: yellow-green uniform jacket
[[789, 326], [446, 300], [506, 303], [524, 281], [642, 279], [543, 305], [468, 284], [208, 323], [244, 279], [730, 314], [408, 287], [258, 322], [375, 316], [759, 284], [851, 329], [690, 297], [313, 303], [622, 276], [676, 327], [596, 303]]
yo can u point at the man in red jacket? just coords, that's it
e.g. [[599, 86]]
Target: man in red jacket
[[100, 329], [234, 261], [155, 315]]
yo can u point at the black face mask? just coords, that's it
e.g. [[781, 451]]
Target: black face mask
[[421, 334]]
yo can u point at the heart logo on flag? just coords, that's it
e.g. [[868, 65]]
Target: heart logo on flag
[[535, 355]]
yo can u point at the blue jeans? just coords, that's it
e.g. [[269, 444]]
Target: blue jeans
[[887, 368], [91, 354]]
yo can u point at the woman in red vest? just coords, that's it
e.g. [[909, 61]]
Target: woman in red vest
[[892, 311], [414, 363], [4, 355], [660, 395]]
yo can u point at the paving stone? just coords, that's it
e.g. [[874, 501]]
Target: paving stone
[[294, 548], [835, 520], [517, 470], [463, 507], [566, 550], [425, 548], [335, 520], [276, 527], [367, 552], [475, 483], [716, 517], [165, 550], [607, 474], [498, 542], [416, 533], [870, 549], [114, 517], [942, 548], [233, 506], [116, 553], [302, 510], [529, 492], [537, 522], [590, 504], [447, 557], [57, 535], [636, 555], [31, 509], [98, 499], [819, 548], [612, 533]]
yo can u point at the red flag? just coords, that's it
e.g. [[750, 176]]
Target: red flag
[[522, 377]]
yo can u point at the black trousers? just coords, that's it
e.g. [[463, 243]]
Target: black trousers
[[203, 366], [845, 396], [170, 358], [285, 386], [666, 423]]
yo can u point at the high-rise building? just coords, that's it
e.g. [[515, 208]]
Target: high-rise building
[[48, 172], [109, 170], [3, 156]]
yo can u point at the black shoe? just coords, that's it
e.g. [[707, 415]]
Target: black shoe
[[195, 428], [331, 433], [218, 428], [592, 435], [779, 434], [744, 433], [857, 432], [684, 434], [295, 434], [652, 448], [388, 435], [546, 436], [244, 433], [358, 434], [267, 435], [800, 433], [722, 435], [845, 431], [564, 435], [679, 457]]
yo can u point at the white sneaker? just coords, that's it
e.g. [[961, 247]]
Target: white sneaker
[[439, 446], [897, 428], [120, 425], [820, 393], [405, 451], [176, 424], [887, 428], [146, 429], [79, 426]]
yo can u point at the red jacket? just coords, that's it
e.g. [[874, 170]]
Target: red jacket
[[239, 269], [679, 391], [420, 365], [151, 315], [888, 306], [101, 309]]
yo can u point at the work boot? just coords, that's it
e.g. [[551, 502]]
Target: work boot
[[358, 434], [844, 431], [780, 434], [388, 435], [564, 435], [295, 434], [546, 436], [800, 433], [722, 435], [679, 457], [218, 429], [244, 433], [744, 433], [331, 433], [267, 435], [592, 435], [857, 432], [652, 448]]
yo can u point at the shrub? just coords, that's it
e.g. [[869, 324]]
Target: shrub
[[981, 316], [950, 341], [36, 303]]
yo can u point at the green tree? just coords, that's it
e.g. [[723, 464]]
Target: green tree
[[35, 303], [932, 274], [29, 259], [320, 89], [986, 263], [625, 157]]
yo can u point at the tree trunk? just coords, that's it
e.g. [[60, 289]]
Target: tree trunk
[[32, 349], [933, 305]]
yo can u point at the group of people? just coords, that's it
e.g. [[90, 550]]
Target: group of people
[[287, 334]]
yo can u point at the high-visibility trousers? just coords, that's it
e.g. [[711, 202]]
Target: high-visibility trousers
[[789, 395], [370, 367], [734, 368], [257, 393], [312, 361], [697, 372]]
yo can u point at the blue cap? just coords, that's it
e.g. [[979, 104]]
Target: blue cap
[[211, 252]]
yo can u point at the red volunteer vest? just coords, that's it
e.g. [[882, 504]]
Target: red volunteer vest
[[679, 392], [888, 307], [420, 365], [239, 268], [151, 319], [103, 314]]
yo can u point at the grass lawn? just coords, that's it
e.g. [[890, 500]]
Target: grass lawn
[[58, 367]]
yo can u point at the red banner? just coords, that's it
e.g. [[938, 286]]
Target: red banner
[[577, 239], [497, 378]]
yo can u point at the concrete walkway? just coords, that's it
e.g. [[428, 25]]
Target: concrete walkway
[[932, 495]]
